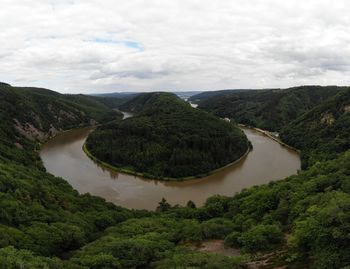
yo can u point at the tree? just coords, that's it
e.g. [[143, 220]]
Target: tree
[[163, 205], [191, 204], [260, 237]]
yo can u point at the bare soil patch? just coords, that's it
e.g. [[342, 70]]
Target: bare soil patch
[[216, 246]]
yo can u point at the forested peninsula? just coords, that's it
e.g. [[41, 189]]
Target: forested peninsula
[[167, 139]]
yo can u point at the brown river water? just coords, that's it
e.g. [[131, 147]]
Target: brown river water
[[63, 157]]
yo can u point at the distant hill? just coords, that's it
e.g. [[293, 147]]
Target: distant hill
[[118, 98], [114, 100], [116, 94], [322, 132], [167, 138], [140, 102], [200, 97], [267, 109], [4, 84], [186, 94]]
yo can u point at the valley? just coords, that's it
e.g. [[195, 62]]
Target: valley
[[65, 211], [174, 134], [63, 157]]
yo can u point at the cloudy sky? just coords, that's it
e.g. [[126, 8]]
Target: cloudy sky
[[142, 45]]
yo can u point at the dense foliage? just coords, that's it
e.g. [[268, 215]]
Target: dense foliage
[[266, 109], [45, 215], [113, 102], [305, 216], [302, 221], [167, 139], [31, 114], [200, 97], [323, 132], [38, 212]]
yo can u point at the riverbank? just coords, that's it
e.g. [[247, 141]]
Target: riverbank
[[148, 176], [268, 134], [64, 157], [60, 132], [40, 144]]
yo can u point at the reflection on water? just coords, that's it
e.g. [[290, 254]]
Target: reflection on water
[[63, 156], [193, 105], [126, 115]]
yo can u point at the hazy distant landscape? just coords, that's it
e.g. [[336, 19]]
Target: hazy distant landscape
[[174, 134]]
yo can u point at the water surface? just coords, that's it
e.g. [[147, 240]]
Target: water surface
[[63, 156]]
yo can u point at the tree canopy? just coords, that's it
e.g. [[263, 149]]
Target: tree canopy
[[267, 109], [167, 138]]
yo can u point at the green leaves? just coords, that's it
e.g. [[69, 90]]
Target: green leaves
[[325, 230], [10, 258], [260, 237]]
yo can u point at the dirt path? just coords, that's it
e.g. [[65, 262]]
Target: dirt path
[[217, 246]]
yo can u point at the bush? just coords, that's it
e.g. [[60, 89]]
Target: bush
[[261, 237], [217, 228], [232, 240]]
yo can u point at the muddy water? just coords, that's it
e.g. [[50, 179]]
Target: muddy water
[[63, 156]]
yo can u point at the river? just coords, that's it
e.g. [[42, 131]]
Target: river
[[63, 157]]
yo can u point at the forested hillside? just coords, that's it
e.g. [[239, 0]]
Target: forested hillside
[[267, 109], [300, 222], [114, 100], [167, 139], [38, 212], [36, 114], [322, 132], [200, 97]]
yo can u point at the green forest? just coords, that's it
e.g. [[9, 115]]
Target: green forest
[[166, 139], [322, 132], [266, 109], [302, 221], [31, 115]]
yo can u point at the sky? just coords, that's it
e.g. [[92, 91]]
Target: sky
[[95, 46]]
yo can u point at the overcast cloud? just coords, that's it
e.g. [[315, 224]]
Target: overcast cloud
[[143, 45]]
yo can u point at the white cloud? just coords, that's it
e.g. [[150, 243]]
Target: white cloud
[[114, 45]]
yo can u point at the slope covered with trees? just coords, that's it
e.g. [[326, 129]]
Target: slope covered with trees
[[39, 213], [300, 222], [322, 132], [36, 114], [267, 109], [200, 97], [43, 221], [114, 100], [167, 138]]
